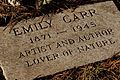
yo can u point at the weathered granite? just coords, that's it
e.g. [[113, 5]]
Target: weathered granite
[[61, 41]]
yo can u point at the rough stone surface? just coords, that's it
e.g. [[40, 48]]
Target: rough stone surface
[[44, 46]]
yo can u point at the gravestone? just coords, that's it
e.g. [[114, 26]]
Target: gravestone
[[50, 44]]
